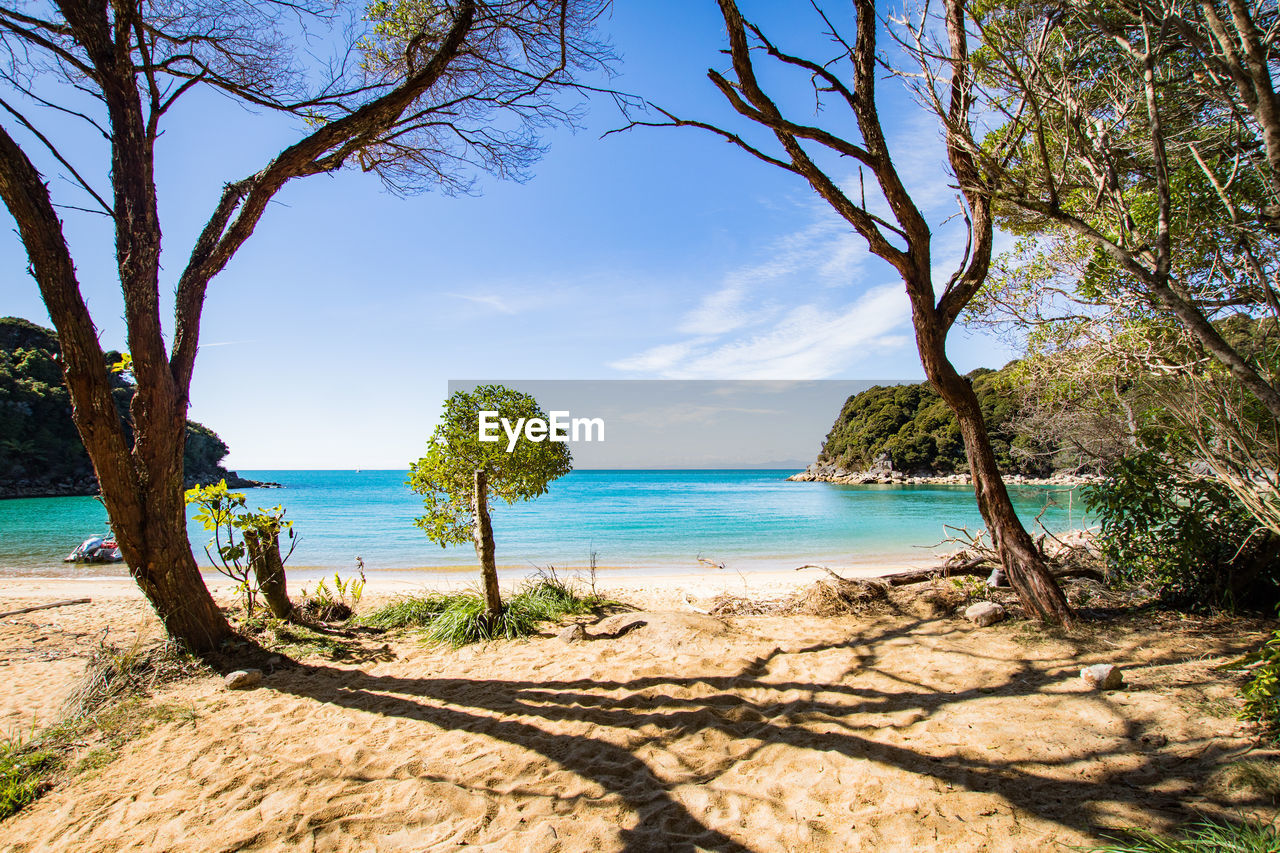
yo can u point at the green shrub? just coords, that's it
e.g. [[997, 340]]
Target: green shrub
[[464, 621], [1262, 693], [1191, 537], [458, 618], [554, 598], [408, 611], [332, 605], [1204, 837]]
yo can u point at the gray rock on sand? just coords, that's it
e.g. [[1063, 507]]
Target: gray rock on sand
[[243, 679], [574, 633], [1102, 676], [984, 613]]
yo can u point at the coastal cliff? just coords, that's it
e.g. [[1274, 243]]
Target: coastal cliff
[[41, 454]]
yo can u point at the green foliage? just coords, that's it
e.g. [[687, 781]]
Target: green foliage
[[445, 477], [918, 432], [465, 621], [332, 604], [397, 24], [408, 611], [554, 598], [24, 768], [1205, 836], [223, 513], [1188, 535], [1262, 692], [202, 454], [457, 619]]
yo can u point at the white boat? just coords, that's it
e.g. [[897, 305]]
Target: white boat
[[95, 549]]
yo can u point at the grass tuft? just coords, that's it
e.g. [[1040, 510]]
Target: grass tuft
[[109, 705], [1206, 836], [24, 770], [464, 621], [408, 611], [115, 674], [1257, 776], [458, 618]]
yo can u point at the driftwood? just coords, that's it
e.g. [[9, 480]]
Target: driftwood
[[66, 603], [973, 568]]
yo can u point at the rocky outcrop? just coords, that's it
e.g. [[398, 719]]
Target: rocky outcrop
[[882, 472]]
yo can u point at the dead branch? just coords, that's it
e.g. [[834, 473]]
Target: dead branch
[[49, 606]]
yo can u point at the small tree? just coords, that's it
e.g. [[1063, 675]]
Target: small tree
[[460, 471], [223, 512]]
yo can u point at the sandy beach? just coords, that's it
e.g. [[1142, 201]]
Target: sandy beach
[[902, 728]]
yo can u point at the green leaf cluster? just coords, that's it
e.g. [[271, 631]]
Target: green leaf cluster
[[224, 513], [1262, 693], [445, 476], [396, 25]]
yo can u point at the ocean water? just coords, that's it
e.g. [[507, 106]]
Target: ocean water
[[638, 520]]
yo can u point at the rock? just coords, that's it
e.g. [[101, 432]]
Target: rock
[[996, 578], [1102, 676], [984, 613], [574, 633], [243, 679]]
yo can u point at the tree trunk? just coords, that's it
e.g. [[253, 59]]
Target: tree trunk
[[1027, 572], [152, 536], [483, 535], [268, 569]]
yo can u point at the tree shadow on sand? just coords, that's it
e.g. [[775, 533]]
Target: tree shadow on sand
[[510, 711]]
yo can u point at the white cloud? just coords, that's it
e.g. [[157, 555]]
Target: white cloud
[[660, 359], [809, 342], [718, 313], [790, 314], [500, 304]]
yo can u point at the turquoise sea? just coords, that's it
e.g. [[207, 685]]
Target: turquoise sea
[[638, 520]]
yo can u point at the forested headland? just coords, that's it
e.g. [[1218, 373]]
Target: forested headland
[[908, 430], [41, 454]]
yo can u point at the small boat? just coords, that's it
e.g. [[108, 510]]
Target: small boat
[[95, 549]]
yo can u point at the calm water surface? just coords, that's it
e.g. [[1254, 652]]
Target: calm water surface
[[633, 519]]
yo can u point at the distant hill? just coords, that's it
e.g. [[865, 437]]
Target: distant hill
[[40, 451], [908, 429]]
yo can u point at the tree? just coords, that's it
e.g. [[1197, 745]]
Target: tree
[[461, 471], [904, 240], [223, 512], [1149, 158], [1150, 132], [441, 88]]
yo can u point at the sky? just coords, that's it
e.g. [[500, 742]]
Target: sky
[[330, 339]]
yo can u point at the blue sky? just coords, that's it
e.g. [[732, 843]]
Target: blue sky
[[659, 253]]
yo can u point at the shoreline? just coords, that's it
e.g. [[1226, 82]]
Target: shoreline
[[868, 566], [841, 477], [697, 583]]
